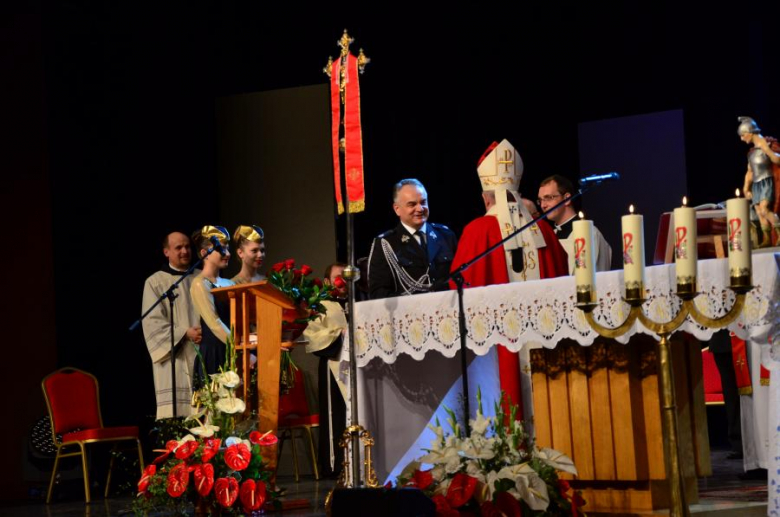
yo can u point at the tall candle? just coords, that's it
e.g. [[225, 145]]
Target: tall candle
[[738, 220], [633, 255], [685, 248], [584, 267]]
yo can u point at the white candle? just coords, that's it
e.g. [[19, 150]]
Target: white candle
[[685, 247], [738, 221], [584, 267], [633, 255]]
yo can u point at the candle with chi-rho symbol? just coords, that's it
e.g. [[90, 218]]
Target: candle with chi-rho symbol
[[633, 256], [686, 256], [738, 224], [584, 267]]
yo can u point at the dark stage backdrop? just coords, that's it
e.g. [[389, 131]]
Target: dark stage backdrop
[[649, 153]]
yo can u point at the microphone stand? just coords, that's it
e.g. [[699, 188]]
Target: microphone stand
[[457, 277], [171, 295]]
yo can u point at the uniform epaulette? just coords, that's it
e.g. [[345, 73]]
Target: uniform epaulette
[[386, 234], [442, 226]]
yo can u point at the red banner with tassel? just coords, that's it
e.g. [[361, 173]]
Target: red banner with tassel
[[353, 136]]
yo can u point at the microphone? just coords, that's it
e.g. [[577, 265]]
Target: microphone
[[598, 178], [216, 246]]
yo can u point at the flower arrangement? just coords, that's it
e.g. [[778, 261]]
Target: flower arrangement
[[212, 466], [306, 292], [495, 470]]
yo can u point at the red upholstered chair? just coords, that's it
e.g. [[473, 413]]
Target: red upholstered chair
[[294, 414], [74, 409], [713, 391]]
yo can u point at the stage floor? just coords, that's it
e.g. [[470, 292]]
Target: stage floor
[[723, 494]]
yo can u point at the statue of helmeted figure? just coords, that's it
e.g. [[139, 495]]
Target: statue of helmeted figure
[[760, 182]]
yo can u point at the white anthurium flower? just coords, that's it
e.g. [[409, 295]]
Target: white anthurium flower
[[556, 460], [186, 439], [231, 405], [232, 440], [490, 482], [529, 486], [229, 379], [204, 431]]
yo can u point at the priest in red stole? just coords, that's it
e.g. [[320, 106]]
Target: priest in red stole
[[532, 255]]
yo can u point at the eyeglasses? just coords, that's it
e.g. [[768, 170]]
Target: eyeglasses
[[548, 198]]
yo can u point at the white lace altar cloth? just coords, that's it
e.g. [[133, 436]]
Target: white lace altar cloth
[[544, 312]]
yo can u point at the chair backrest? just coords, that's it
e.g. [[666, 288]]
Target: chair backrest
[[72, 399], [294, 403]]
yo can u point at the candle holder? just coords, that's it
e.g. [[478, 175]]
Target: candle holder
[[678, 504], [585, 295], [686, 287], [741, 283], [635, 293]]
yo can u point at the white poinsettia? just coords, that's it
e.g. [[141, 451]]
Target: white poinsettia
[[204, 431], [556, 460], [528, 485], [231, 405]]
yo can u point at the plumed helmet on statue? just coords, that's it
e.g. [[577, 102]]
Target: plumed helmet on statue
[[747, 125], [500, 170]]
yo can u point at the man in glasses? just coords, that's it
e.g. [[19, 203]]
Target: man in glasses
[[551, 192]]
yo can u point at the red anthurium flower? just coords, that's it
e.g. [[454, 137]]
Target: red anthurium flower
[[306, 270], [146, 478], [226, 490], [178, 479], [264, 439], [169, 447], [278, 266], [461, 489], [237, 456], [203, 477], [421, 479], [187, 449], [210, 449], [289, 263], [508, 505], [488, 509], [252, 495], [443, 508]]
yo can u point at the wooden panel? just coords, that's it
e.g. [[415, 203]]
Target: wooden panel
[[601, 415], [560, 416], [654, 433], [626, 460], [579, 404], [269, 339], [684, 412], [699, 409], [542, 424]]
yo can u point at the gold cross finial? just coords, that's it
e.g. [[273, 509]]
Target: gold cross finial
[[344, 43], [363, 60], [328, 66]]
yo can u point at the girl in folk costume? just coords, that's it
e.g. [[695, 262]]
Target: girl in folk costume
[[761, 177], [213, 314], [250, 248]]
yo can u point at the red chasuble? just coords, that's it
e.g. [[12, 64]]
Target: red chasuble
[[478, 236]]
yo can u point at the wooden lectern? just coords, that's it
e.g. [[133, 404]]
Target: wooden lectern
[[259, 306]]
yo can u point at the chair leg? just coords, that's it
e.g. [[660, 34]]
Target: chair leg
[[295, 454], [53, 476], [86, 471], [279, 450], [140, 456], [313, 454], [110, 469]]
